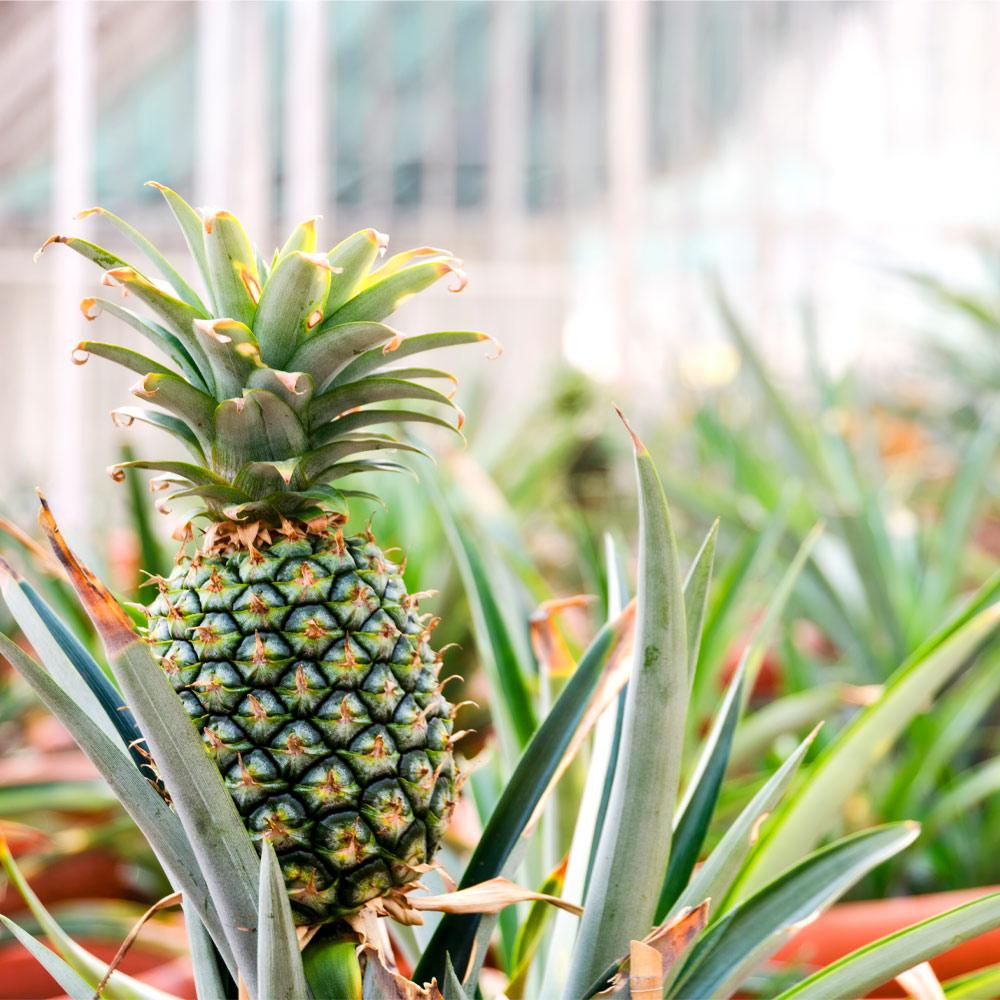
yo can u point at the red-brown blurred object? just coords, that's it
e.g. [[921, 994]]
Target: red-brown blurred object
[[848, 926]]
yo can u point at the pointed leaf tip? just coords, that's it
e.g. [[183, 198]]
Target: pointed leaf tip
[[113, 624], [454, 266], [54, 238], [497, 347], [381, 240], [318, 260], [640, 448]]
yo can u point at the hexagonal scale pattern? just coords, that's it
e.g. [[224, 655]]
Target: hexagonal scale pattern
[[307, 670]]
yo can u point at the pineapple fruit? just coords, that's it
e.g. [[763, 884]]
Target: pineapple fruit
[[296, 650]]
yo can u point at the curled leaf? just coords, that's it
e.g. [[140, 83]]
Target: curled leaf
[[641, 974], [490, 896]]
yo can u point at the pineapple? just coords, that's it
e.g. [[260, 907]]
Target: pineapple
[[296, 650]]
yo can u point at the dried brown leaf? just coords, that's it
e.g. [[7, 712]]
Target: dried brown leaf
[[551, 648], [645, 979], [490, 896], [162, 904], [670, 940], [111, 621], [613, 679]]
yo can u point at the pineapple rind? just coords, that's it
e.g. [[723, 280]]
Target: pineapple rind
[[307, 669]]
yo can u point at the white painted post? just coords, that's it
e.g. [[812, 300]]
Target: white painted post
[[627, 172], [439, 149], [214, 104], [254, 179], [305, 115], [508, 112], [71, 426]]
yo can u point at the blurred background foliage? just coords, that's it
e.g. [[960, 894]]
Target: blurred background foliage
[[597, 164]]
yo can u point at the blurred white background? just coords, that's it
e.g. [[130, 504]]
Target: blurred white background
[[590, 161]]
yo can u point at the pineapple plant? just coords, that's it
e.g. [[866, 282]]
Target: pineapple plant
[[279, 732], [300, 657]]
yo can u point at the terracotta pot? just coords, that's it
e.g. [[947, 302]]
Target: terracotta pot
[[770, 673], [851, 925], [93, 874]]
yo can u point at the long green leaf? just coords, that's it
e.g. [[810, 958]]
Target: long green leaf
[[69, 980], [384, 297], [374, 389], [66, 660], [232, 268], [87, 966], [181, 287], [713, 879], [351, 422], [352, 259], [191, 226], [207, 974], [302, 237], [589, 819], [521, 796], [694, 814], [856, 974], [634, 847], [191, 405], [153, 557], [701, 795], [530, 933], [373, 360], [132, 360], [452, 984], [207, 813], [313, 463], [696, 588], [158, 823], [514, 713], [280, 975], [125, 416], [330, 348], [54, 638], [290, 305], [157, 335], [750, 933], [178, 315], [232, 353], [813, 810], [182, 470], [978, 985]]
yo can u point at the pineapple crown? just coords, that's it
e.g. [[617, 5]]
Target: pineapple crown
[[274, 375]]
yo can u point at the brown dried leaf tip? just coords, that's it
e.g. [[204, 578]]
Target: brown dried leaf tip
[[111, 621], [640, 448]]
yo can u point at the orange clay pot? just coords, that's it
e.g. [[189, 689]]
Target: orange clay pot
[[848, 926], [93, 874]]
